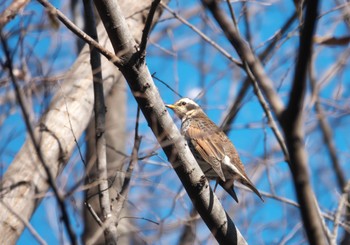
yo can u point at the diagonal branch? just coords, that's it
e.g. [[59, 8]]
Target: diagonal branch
[[246, 55], [330, 144], [202, 35], [235, 105], [290, 119], [50, 178], [147, 28], [159, 120], [110, 231], [11, 11], [65, 119], [292, 124], [76, 30]]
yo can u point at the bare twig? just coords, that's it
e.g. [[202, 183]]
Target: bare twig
[[110, 230], [202, 35], [235, 105], [26, 223], [71, 26], [271, 120], [247, 21], [122, 196], [261, 98], [247, 55], [11, 11], [296, 150], [326, 215], [291, 234], [174, 146], [342, 202], [50, 178], [232, 13], [134, 157], [147, 28], [167, 85], [93, 214], [293, 129], [326, 130]]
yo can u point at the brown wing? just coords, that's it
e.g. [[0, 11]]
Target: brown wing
[[231, 151], [206, 141], [213, 145]]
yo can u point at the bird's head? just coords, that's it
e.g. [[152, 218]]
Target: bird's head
[[184, 107]]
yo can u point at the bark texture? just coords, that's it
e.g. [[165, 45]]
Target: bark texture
[[25, 182]]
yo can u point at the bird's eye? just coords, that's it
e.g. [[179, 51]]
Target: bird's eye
[[183, 103]]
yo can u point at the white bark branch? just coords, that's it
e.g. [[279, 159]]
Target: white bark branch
[[66, 119], [147, 96]]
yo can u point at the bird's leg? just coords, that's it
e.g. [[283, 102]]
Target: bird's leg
[[216, 184]]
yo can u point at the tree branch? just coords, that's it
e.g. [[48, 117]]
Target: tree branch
[[67, 116], [291, 126], [11, 11], [35, 142], [147, 28], [246, 55], [110, 230], [202, 35], [293, 129], [173, 144], [86, 38]]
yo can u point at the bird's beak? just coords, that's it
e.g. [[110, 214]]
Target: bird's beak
[[170, 106]]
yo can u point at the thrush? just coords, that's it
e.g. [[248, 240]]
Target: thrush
[[214, 152]]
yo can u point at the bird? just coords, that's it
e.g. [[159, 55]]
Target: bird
[[212, 149]]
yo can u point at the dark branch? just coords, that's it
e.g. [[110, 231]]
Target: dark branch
[[159, 120], [71, 26], [147, 28], [50, 179]]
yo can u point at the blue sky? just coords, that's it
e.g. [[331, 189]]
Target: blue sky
[[260, 223]]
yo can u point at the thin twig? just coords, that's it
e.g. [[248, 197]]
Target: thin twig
[[272, 123], [293, 129], [202, 35], [167, 85], [232, 13], [291, 234], [134, 156], [26, 224], [247, 55], [122, 195], [147, 28], [71, 26], [342, 202], [93, 214], [326, 215], [142, 218], [11, 11], [110, 230], [326, 129], [235, 105], [50, 178], [247, 22]]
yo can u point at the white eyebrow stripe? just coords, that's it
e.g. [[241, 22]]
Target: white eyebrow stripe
[[187, 100]]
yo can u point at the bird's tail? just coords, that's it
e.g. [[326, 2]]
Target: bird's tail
[[252, 187], [228, 186]]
